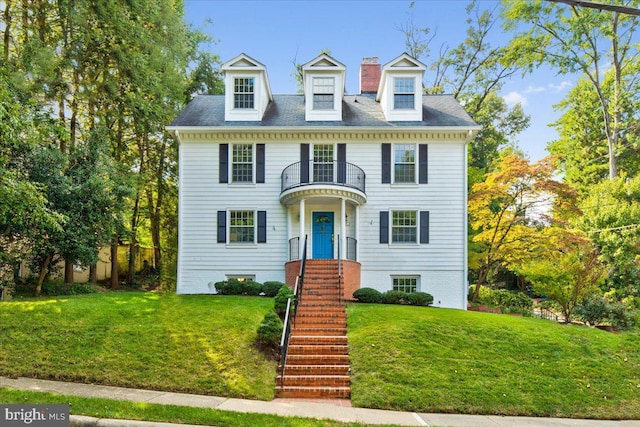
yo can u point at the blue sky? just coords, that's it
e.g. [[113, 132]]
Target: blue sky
[[277, 32]]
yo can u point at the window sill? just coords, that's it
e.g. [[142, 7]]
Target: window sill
[[242, 245], [404, 245], [242, 184]]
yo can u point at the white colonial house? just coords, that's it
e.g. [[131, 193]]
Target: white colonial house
[[377, 179]]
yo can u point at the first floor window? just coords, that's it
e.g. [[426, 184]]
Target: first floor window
[[241, 227], [405, 284], [404, 227], [243, 93], [242, 163]]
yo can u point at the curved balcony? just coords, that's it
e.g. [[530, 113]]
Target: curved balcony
[[309, 178]]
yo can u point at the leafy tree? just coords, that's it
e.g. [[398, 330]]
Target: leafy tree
[[568, 278], [612, 210], [510, 213], [587, 41]]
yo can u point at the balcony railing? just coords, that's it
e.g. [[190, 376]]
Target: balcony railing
[[336, 173], [351, 252]]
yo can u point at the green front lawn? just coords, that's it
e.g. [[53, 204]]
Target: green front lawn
[[438, 360], [190, 344]]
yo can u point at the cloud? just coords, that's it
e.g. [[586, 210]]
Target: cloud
[[513, 97], [560, 87]]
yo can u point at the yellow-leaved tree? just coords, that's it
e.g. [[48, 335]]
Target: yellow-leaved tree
[[518, 213]]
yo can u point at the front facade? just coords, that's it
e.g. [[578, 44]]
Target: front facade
[[376, 179]]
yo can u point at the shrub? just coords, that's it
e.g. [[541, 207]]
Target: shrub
[[59, 288], [619, 317], [271, 288], [395, 297], [592, 310], [251, 288], [508, 301], [280, 301], [270, 330], [220, 287], [368, 295], [233, 287], [420, 298]]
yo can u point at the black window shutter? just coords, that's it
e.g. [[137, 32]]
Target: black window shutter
[[224, 163], [304, 163], [342, 165], [262, 226], [424, 226], [386, 163], [260, 163], [222, 226], [423, 164], [384, 227]]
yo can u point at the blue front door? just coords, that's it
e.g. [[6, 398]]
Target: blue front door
[[322, 235]]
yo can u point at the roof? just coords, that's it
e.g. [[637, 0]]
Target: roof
[[357, 111]]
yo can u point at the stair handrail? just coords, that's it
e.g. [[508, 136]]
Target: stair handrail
[[296, 297], [339, 271]]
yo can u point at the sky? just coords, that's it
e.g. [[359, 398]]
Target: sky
[[277, 33]]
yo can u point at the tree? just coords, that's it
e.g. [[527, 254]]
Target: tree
[[587, 41], [568, 278], [517, 214], [612, 213]]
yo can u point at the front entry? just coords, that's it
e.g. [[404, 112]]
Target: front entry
[[322, 235]]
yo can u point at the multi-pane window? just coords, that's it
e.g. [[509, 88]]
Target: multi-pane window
[[404, 163], [241, 227], [242, 163], [243, 93], [323, 90], [405, 284], [323, 162], [403, 93], [404, 227]]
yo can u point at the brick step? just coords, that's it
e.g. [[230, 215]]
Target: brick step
[[318, 349], [324, 330], [313, 380], [313, 312], [318, 339], [317, 359], [313, 392], [314, 305], [316, 370], [320, 322]]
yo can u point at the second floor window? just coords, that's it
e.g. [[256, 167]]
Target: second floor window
[[242, 163], [243, 93], [404, 163], [403, 93], [323, 163], [323, 90]]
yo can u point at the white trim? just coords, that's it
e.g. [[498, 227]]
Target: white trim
[[416, 165], [231, 244], [254, 162], [404, 244]]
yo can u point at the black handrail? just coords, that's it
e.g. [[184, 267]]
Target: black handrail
[[310, 173], [297, 298]]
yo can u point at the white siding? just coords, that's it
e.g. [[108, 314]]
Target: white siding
[[440, 263]]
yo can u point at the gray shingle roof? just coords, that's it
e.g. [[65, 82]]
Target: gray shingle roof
[[357, 111]]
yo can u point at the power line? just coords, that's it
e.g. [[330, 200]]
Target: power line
[[623, 227], [600, 6]]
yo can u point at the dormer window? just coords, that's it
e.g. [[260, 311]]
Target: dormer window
[[404, 93], [323, 93], [243, 93]]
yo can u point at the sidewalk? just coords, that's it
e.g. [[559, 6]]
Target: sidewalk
[[284, 407]]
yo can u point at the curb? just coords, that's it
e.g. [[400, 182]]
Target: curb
[[84, 421]]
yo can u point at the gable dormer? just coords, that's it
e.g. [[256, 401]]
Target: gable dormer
[[400, 90], [247, 92], [323, 81]]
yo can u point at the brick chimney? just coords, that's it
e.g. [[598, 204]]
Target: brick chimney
[[369, 75]]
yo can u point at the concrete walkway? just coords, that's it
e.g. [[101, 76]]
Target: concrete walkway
[[284, 408]]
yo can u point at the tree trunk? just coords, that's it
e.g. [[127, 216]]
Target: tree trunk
[[43, 272], [93, 273], [68, 271], [481, 278], [114, 264], [7, 29]]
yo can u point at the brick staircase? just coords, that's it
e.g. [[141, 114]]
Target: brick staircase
[[317, 365]]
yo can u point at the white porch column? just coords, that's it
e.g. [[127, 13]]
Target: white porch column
[[357, 222], [343, 228], [301, 230]]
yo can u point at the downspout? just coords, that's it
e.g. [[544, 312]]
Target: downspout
[[465, 209]]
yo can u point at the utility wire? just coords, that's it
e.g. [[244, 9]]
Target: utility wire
[[600, 6]]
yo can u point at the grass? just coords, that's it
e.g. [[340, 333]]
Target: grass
[[403, 358], [190, 344], [106, 408], [438, 360]]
